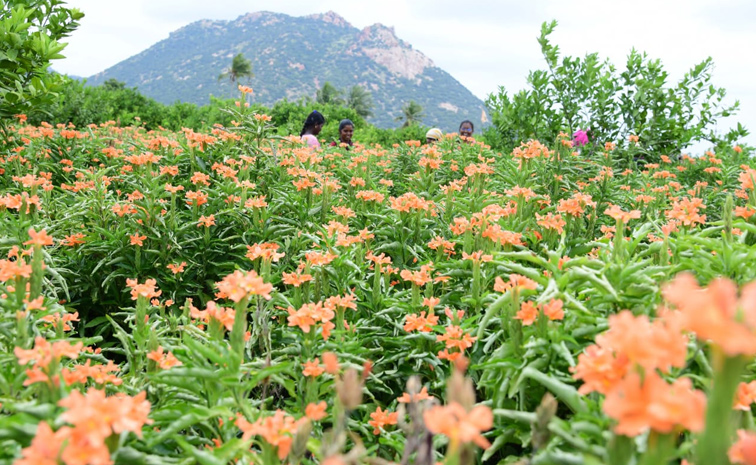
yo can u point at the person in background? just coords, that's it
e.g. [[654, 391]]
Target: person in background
[[580, 138], [433, 135], [466, 128], [346, 130], [312, 127]]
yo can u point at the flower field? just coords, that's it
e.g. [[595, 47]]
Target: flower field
[[235, 297]]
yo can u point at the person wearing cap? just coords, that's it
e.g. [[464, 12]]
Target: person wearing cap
[[346, 130], [433, 135]]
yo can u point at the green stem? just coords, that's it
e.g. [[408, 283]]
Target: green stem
[[715, 441]]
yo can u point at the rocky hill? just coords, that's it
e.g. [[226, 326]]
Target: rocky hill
[[291, 58]]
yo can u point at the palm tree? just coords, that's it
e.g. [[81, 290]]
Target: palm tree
[[412, 113], [360, 100], [240, 67], [329, 94]]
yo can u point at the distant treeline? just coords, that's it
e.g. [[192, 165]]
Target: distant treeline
[[82, 104]]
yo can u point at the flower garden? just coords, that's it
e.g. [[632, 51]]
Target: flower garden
[[234, 297]]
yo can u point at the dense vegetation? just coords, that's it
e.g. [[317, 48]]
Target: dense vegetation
[[225, 294], [591, 95], [231, 295]]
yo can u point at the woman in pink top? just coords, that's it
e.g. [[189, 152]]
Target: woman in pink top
[[312, 127]]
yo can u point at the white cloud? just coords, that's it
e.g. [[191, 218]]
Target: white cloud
[[483, 44]]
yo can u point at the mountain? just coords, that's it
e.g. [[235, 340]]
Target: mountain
[[292, 57]]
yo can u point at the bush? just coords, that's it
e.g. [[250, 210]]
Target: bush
[[589, 94]]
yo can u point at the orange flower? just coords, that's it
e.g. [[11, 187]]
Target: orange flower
[[240, 285], [515, 281], [745, 396], [136, 239], [276, 430], [336, 301], [320, 259], [296, 279], [551, 221], [658, 344], [408, 202], [600, 369], [96, 417], [370, 196], [406, 398], [571, 207], [439, 242], [313, 368], [525, 192], [619, 215], [164, 360], [147, 290], [685, 212], [381, 419], [309, 315], [214, 312], [73, 240], [420, 323], [268, 251], [459, 425], [316, 412], [176, 269], [744, 212], [418, 278], [528, 313], [744, 450], [39, 238], [256, 202], [431, 303], [331, 363], [747, 178], [554, 309], [206, 221], [477, 257], [45, 447], [56, 319], [712, 312], [455, 338], [653, 404], [44, 352]]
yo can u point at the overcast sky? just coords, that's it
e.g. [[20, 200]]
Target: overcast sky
[[484, 44]]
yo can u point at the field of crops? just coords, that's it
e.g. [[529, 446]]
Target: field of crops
[[235, 297]]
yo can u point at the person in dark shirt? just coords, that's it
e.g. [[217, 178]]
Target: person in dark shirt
[[346, 130]]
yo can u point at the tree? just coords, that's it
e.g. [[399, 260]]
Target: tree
[[29, 39], [360, 100], [412, 113], [588, 93], [240, 68], [329, 95]]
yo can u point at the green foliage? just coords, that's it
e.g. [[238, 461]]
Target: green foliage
[[590, 94], [80, 104], [329, 95], [240, 68], [30, 31], [360, 100], [412, 113], [194, 210]]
